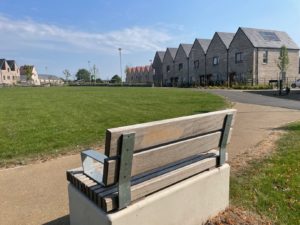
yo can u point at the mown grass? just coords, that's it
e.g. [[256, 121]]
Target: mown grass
[[40, 121], [272, 186]]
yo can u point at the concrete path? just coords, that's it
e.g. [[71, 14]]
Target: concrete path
[[254, 97], [37, 193]]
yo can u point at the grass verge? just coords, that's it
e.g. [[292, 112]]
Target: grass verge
[[271, 187], [38, 122]]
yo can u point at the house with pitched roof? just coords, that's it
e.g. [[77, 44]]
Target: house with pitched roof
[[27, 79], [158, 68], [217, 58], [181, 66], [48, 79], [253, 56], [168, 67], [197, 61], [139, 75], [9, 72]]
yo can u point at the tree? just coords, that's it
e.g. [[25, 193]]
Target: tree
[[116, 79], [83, 74], [283, 65], [28, 72], [67, 74], [283, 59]]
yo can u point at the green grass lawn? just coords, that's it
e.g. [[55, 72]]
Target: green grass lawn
[[40, 121], [272, 187]]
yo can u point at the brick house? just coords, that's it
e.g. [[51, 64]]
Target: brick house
[[253, 56], [9, 72], [181, 66], [197, 61], [139, 75], [217, 58], [158, 68], [168, 67]]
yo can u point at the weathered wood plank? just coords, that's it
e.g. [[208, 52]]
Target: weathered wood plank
[[166, 131], [164, 155], [139, 190]]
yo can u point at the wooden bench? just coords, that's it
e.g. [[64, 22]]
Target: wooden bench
[[142, 159]]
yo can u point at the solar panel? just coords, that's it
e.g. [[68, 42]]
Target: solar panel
[[269, 36]]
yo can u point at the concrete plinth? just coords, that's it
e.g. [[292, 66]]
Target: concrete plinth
[[190, 202]]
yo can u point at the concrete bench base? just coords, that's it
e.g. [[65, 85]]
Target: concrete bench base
[[190, 202]]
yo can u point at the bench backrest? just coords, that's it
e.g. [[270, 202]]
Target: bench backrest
[[156, 144]]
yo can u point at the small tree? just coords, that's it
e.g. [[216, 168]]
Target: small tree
[[283, 60], [28, 72], [283, 65], [116, 79], [67, 74]]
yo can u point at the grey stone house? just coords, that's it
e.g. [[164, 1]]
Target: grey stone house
[[158, 68], [168, 67], [217, 58], [253, 56], [197, 61], [181, 64]]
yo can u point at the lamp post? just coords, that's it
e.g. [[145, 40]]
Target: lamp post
[[121, 73]]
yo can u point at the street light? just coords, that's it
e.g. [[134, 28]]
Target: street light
[[120, 50]]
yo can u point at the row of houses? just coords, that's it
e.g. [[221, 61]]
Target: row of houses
[[249, 55], [139, 74], [11, 74]]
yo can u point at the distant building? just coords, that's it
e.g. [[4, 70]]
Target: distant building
[[50, 80], [31, 80], [9, 72], [140, 75]]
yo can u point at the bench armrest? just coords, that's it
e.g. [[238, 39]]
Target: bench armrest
[[92, 164]]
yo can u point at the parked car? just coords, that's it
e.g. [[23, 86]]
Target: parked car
[[296, 84]]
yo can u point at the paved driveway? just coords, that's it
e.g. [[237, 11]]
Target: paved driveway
[[257, 99]]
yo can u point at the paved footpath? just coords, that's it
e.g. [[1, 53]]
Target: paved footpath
[[37, 193]]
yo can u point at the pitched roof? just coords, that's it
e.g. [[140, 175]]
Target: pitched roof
[[1, 62], [187, 48], [12, 64], [161, 55], [269, 38], [226, 37], [173, 52], [204, 43]]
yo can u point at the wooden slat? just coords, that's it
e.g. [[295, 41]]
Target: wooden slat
[[166, 131], [109, 202], [162, 156]]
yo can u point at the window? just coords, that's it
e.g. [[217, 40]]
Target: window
[[215, 60], [196, 64], [8, 77], [168, 68], [238, 57], [3, 77], [265, 57], [180, 66]]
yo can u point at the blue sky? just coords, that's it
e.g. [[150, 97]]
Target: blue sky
[[56, 35]]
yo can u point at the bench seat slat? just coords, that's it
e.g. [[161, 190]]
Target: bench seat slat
[[149, 186]]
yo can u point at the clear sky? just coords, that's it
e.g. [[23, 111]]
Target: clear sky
[[55, 35]]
